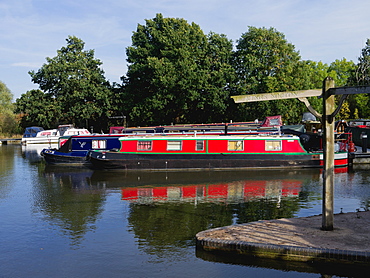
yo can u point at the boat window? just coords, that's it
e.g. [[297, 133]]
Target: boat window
[[235, 145], [99, 144], [144, 145], [174, 145], [273, 145], [200, 145]]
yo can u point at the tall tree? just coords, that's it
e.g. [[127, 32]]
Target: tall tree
[[360, 104], [265, 62], [6, 98], [176, 73], [8, 121], [361, 74], [76, 81]]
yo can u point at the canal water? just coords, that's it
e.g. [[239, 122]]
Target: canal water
[[75, 222]]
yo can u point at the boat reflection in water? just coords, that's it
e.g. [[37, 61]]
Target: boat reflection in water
[[32, 151], [230, 192]]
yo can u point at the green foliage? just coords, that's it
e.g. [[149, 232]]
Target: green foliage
[[361, 75], [176, 73], [38, 109], [344, 112], [341, 71], [265, 62], [8, 121], [5, 98], [75, 82]]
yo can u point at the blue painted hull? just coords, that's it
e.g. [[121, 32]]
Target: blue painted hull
[[74, 150]]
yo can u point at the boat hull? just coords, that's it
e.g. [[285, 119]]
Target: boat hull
[[40, 140], [162, 162], [357, 133], [53, 157]]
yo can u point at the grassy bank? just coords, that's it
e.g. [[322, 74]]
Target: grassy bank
[[10, 136]]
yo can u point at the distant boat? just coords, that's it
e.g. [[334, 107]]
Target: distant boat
[[213, 152], [37, 135], [360, 130]]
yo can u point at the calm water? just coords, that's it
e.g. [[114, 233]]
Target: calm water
[[73, 222]]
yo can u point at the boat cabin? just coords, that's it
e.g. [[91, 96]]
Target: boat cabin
[[212, 144], [32, 131]]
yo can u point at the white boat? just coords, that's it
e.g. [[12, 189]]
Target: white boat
[[51, 136]]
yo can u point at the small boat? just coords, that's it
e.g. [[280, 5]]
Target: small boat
[[73, 149], [213, 152], [37, 135]]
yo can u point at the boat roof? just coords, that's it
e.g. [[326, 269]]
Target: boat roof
[[32, 130], [210, 137]]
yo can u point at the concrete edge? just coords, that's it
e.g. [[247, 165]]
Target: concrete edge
[[281, 252]]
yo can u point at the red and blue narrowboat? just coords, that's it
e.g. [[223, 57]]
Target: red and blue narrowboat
[[73, 149], [193, 152]]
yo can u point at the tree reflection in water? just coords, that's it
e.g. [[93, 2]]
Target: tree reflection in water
[[166, 216]]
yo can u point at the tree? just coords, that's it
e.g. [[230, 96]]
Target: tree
[[265, 62], [6, 98], [176, 73], [8, 122], [38, 109], [341, 71], [316, 72], [361, 75], [360, 104], [75, 81]]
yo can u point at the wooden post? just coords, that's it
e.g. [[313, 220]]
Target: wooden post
[[328, 92], [328, 172]]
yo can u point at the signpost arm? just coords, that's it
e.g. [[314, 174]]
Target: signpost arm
[[310, 108], [328, 172]]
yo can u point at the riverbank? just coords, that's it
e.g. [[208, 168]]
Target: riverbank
[[296, 239], [11, 141]]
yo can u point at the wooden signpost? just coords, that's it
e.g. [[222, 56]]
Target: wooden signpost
[[329, 112]]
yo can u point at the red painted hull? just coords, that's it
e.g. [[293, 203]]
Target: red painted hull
[[210, 152]]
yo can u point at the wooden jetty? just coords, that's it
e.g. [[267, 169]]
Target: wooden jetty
[[359, 158], [12, 141]]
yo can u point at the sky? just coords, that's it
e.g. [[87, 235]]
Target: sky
[[32, 30]]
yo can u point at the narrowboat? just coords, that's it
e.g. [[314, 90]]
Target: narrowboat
[[73, 149], [214, 152]]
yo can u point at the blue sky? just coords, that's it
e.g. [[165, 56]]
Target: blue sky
[[31, 30]]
